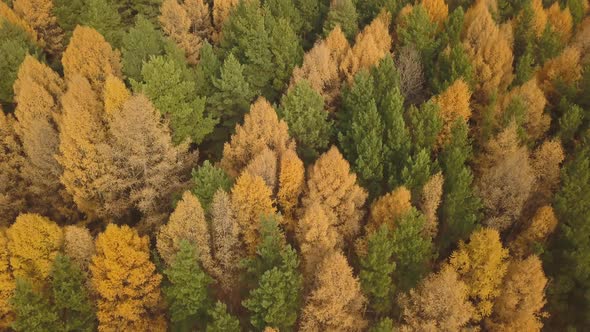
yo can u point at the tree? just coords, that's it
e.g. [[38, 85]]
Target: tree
[[70, 298], [265, 166], [536, 122], [115, 94], [261, 129], [522, 298], [33, 241], [12, 198], [291, 184], [200, 16], [275, 300], [561, 21], [173, 95], [10, 16], [187, 292], [286, 54], [90, 56], [315, 237], [411, 74], [417, 30], [141, 42], [102, 16], [389, 208], [303, 110], [78, 246], [187, 223], [570, 122], [440, 302], [430, 202], [33, 311], [424, 125], [7, 283], [129, 299], [336, 301], [221, 11], [39, 15], [177, 24], [334, 187], [67, 13], [207, 180], [481, 264], [454, 104], [342, 13], [221, 321], [288, 10], [437, 10], [377, 268], [563, 69], [251, 199], [546, 161]]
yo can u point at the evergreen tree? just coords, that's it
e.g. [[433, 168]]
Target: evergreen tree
[[286, 9], [311, 12], [141, 42], [451, 64], [369, 9], [418, 30], [207, 179], [344, 14], [104, 18], [68, 14], [425, 125], [286, 54], [33, 311], [206, 71], [383, 325], [221, 320]]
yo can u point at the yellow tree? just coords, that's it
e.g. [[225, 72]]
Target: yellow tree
[[481, 264], [539, 17], [519, 307], [431, 198], [315, 237], [33, 242], [334, 187], [126, 283], [336, 302], [439, 303], [565, 69], [251, 199], [453, 104], [371, 45], [546, 163], [12, 161], [187, 222], [261, 129], [437, 10], [39, 15], [6, 13], [291, 184], [200, 15], [536, 233], [91, 56], [176, 23], [561, 21], [387, 209], [7, 283], [115, 94], [221, 11], [536, 122], [489, 51], [79, 245], [265, 166]]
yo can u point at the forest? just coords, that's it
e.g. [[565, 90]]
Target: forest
[[294, 165]]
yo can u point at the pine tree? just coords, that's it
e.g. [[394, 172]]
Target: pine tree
[[207, 71], [342, 13], [416, 29], [288, 10], [207, 180], [141, 42], [221, 320], [33, 311], [103, 17], [39, 15], [425, 126], [286, 54], [68, 13], [451, 65], [369, 9], [130, 299], [187, 293]]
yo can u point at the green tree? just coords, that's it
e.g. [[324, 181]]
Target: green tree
[[383, 325], [570, 121], [418, 30], [33, 311], [376, 274], [221, 320], [68, 14], [207, 179], [343, 13], [312, 12], [286, 54], [206, 71], [549, 45], [142, 41], [425, 125], [174, 96], [286, 9], [451, 64], [104, 18], [187, 293], [369, 9]]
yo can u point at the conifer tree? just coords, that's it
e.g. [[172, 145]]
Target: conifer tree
[[207, 71], [78, 246], [7, 283], [102, 16], [286, 54], [39, 15], [33, 311], [454, 104], [417, 30], [8, 14], [221, 11], [221, 320], [176, 23], [12, 198], [451, 65], [315, 237], [535, 122], [291, 184], [138, 44], [67, 13], [389, 208], [342, 13], [207, 180]]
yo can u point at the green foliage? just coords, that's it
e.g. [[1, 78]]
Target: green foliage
[[312, 12], [343, 13], [412, 250], [450, 65], [33, 311], [174, 96], [516, 112], [425, 125], [417, 171], [139, 44], [104, 18], [397, 137], [150, 9], [71, 299], [570, 122], [206, 71], [376, 274], [303, 110], [451, 34], [221, 320], [420, 32], [68, 14], [384, 325], [286, 54], [187, 293], [549, 45], [576, 8], [369, 9], [268, 252], [286, 9], [509, 8], [207, 179]]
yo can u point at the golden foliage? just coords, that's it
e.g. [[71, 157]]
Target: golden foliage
[[387, 209], [431, 198], [39, 15], [543, 224], [10, 16], [115, 94], [520, 303], [564, 68], [546, 165], [7, 283], [33, 242], [91, 56], [581, 39], [539, 17], [265, 166], [221, 11], [336, 302], [261, 129], [12, 197], [177, 24], [126, 282], [536, 122], [437, 10], [200, 15], [251, 199], [315, 237], [331, 184], [291, 184], [454, 104], [439, 303], [481, 264], [371, 45], [561, 21], [79, 245]]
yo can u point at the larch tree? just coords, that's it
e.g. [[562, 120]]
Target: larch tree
[[562, 69], [342, 13], [481, 264], [251, 199], [8, 14], [207, 180], [265, 166], [546, 162], [126, 282], [39, 15], [522, 298], [176, 23], [33, 242], [221, 11], [389, 208], [439, 303], [331, 184], [291, 185], [454, 104], [561, 21], [200, 15], [12, 160], [115, 94], [437, 10], [430, 202], [187, 223], [261, 129], [7, 282], [533, 237], [89, 55], [78, 246], [336, 302]]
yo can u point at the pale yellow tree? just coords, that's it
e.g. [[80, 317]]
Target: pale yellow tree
[[261, 129], [389, 208], [39, 15], [536, 232], [200, 15], [177, 24], [431, 199], [331, 184], [561, 21], [265, 166], [315, 237], [79, 245], [7, 283], [453, 104], [539, 17], [291, 185], [336, 302], [536, 121]]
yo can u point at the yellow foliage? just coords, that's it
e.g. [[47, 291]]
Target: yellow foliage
[[221, 11], [565, 68], [332, 185], [200, 15], [546, 164], [176, 23], [9, 15], [90, 56], [536, 122], [581, 39], [291, 183], [437, 10], [79, 245], [12, 197], [7, 283], [539, 17], [454, 104], [543, 224], [371, 45], [431, 198], [33, 242], [115, 94], [126, 282], [39, 15], [561, 21], [315, 237], [481, 264], [261, 129], [387, 209], [401, 16], [251, 199]]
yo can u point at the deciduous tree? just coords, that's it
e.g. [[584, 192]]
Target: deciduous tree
[[454, 105], [533, 236], [79, 246], [39, 16], [177, 24], [291, 184], [430, 202], [7, 282], [315, 237], [12, 197]]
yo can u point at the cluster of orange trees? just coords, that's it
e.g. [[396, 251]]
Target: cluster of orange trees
[[286, 165]]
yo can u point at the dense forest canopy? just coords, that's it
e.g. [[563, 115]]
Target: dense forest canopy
[[294, 165]]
